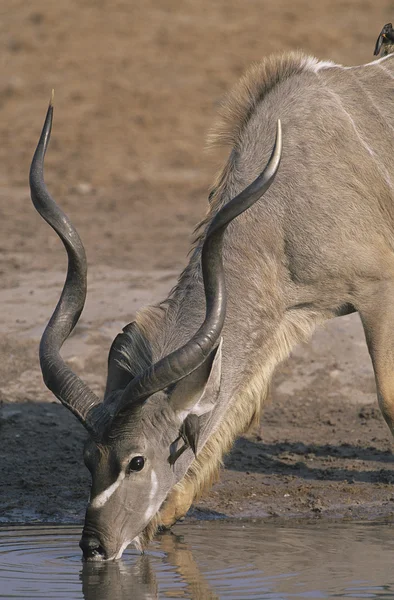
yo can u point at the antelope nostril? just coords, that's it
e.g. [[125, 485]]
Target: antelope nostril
[[91, 548]]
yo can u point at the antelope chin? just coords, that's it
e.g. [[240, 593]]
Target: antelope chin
[[138, 544], [121, 550]]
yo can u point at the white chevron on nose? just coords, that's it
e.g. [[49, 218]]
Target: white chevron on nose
[[105, 495]]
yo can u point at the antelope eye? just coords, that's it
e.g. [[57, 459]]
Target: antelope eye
[[136, 464]]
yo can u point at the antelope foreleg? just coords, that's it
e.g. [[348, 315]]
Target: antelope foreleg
[[177, 504]]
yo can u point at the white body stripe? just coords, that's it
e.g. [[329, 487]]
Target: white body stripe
[[383, 68], [363, 142], [374, 62], [102, 498], [314, 64], [376, 107]]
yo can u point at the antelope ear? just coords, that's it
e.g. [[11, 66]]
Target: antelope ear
[[197, 393], [130, 354]]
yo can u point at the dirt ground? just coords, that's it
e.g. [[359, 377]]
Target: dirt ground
[[137, 87]]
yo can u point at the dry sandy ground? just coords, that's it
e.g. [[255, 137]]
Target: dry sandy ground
[[137, 87]]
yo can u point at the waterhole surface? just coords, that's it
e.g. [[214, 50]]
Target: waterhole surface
[[206, 561]]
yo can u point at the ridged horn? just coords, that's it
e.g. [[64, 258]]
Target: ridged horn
[[184, 360], [58, 377]]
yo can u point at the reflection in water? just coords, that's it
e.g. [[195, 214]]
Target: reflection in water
[[181, 557], [120, 580], [211, 561]]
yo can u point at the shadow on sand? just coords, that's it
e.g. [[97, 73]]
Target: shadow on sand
[[329, 462]]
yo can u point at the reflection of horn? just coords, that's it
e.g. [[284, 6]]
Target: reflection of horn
[[179, 555], [118, 580]]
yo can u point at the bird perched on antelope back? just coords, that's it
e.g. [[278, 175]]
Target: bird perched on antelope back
[[385, 41]]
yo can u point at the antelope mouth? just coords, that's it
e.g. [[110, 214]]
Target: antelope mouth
[[92, 550], [95, 555]]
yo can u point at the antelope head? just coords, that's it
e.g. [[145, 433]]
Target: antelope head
[[145, 432]]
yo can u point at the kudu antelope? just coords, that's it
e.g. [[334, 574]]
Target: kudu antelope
[[319, 244]]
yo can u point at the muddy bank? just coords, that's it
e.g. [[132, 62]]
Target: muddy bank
[[137, 87], [323, 450]]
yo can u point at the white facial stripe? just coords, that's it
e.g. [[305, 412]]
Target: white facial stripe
[[152, 505], [150, 511], [102, 498]]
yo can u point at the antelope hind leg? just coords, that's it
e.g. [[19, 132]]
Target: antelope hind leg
[[378, 321]]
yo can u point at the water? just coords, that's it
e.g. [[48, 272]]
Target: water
[[206, 561]]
